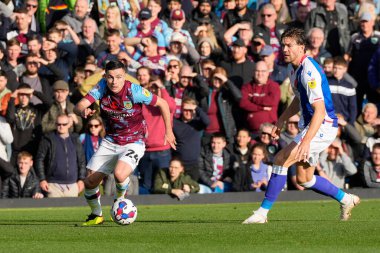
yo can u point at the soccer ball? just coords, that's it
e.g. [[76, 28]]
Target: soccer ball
[[123, 211]]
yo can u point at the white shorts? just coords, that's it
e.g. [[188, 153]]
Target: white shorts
[[104, 160], [326, 134]]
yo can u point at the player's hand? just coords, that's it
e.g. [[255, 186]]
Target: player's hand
[[38, 195], [44, 185], [88, 112], [170, 138], [303, 151]]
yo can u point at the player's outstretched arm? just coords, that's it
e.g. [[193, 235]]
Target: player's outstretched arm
[[315, 124], [81, 109], [165, 112], [291, 110]]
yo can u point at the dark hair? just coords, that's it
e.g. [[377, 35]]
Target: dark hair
[[243, 130], [219, 135], [24, 86], [35, 37], [4, 74], [177, 159], [328, 61], [154, 78], [115, 64], [13, 42], [144, 67], [375, 146], [297, 34], [112, 32], [340, 61], [263, 147]]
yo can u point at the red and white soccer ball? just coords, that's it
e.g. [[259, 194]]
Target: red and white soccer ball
[[123, 211]]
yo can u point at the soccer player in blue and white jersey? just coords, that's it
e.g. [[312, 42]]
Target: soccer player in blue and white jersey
[[318, 128], [121, 109]]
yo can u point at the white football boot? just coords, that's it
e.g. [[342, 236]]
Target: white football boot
[[255, 218], [345, 210]]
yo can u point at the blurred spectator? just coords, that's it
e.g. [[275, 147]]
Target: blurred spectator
[[25, 119], [328, 68], [277, 72], [264, 136], [23, 183], [35, 44], [13, 57], [157, 24], [296, 5], [157, 154], [300, 14], [216, 166], [180, 48], [61, 105], [350, 137], [370, 169], [342, 92], [172, 73], [204, 14], [316, 38], [363, 45], [32, 6], [282, 11], [188, 131], [240, 13], [366, 121], [291, 131], [242, 30], [113, 21], [60, 161], [239, 67], [336, 164], [374, 75], [174, 181], [6, 138], [75, 18], [92, 137], [36, 81], [269, 25], [223, 97], [332, 18], [242, 148], [177, 20], [5, 93], [190, 85], [259, 41], [368, 149], [6, 170], [260, 98], [113, 41], [254, 175]]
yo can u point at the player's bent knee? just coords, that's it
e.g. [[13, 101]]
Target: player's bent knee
[[306, 182]]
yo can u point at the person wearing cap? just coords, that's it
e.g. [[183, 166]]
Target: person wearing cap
[[25, 119], [332, 17], [177, 20], [172, 5], [277, 72], [135, 37], [362, 47], [240, 13], [270, 27], [260, 98], [61, 105], [180, 48], [239, 68], [259, 40]]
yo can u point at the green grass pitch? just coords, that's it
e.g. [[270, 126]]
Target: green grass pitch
[[311, 226]]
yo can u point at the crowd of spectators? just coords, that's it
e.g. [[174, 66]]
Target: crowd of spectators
[[219, 66]]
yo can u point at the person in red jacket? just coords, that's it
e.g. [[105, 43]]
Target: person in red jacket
[[260, 98], [157, 154]]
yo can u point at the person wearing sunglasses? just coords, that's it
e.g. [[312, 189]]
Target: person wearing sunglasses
[[32, 6], [60, 161]]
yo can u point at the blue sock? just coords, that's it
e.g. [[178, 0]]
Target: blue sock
[[323, 186], [275, 185]]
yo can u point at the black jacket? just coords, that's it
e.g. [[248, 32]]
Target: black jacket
[[12, 186], [46, 156], [206, 167]]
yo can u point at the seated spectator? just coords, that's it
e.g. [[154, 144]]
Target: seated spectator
[[25, 119], [291, 131], [174, 181], [75, 18], [61, 105], [350, 137], [260, 98], [60, 161], [254, 175], [370, 169], [113, 20], [316, 38], [188, 130], [24, 183], [342, 92], [336, 164], [5, 93], [242, 148], [216, 166], [368, 149], [264, 136], [366, 121]]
